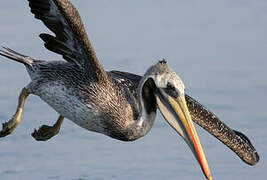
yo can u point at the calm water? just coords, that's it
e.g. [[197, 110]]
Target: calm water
[[219, 48]]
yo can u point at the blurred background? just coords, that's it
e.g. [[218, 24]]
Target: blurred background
[[219, 48]]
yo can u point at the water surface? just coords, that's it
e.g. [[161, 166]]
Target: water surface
[[217, 47]]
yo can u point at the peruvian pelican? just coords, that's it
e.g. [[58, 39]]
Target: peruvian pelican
[[118, 104]]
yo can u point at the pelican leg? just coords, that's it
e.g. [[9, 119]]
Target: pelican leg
[[9, 126], [46, 132]]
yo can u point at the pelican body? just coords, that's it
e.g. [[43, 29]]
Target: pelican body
[[118, 104]]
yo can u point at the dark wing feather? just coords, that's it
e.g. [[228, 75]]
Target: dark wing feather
[[235, 140], [71, 40], [127, 79]]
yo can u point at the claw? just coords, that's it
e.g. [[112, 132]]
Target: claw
[[6, 129]]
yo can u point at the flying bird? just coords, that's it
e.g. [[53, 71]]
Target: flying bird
[[118, 104]]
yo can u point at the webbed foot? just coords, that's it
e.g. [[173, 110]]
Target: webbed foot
[[46, 132], [8, 127]]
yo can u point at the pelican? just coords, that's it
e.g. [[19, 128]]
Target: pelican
[[118, 104]]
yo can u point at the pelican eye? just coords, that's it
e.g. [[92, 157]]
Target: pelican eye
[[170, 86], [171, 90]]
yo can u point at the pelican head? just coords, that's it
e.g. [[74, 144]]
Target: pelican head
[[168, 89]]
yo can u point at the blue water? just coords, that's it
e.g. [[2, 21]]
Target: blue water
[[219, 48]]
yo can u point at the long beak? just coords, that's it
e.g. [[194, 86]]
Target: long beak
[[176, 113]]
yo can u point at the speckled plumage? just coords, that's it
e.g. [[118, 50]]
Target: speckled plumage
[[235, 140], [90, 104], [118, 104]]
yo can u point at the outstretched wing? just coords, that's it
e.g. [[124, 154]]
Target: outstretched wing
[[70, 40], [235, 140]]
